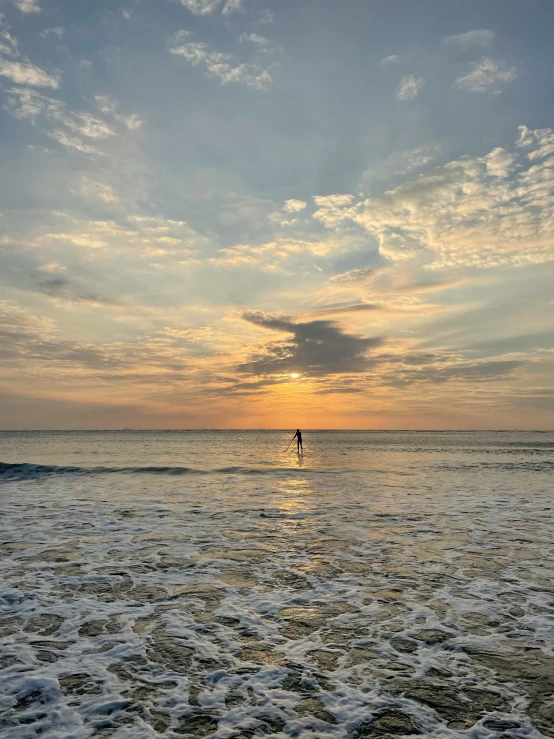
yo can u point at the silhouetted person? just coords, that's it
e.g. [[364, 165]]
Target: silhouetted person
[[298, 437]]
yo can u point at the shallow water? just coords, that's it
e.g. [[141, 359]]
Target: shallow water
[[212, 584]]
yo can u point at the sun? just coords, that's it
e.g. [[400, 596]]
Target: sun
[[294, 375]]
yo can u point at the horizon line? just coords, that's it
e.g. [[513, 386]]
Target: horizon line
[[215, 429]]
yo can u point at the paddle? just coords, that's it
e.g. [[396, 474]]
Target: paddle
[[290, 442]]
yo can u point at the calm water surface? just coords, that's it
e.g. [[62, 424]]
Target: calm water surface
[[213, 584]]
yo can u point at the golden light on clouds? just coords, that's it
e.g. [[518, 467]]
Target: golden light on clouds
[[194, 260]]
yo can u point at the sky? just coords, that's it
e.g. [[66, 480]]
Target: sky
[[276, 214]]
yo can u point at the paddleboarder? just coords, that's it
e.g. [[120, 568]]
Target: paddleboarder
[[298, 437]]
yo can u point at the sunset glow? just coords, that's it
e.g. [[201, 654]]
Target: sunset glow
[[207, 200]]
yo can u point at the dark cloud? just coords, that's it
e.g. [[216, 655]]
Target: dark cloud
[[339, 390], [315, 348], [96, 300], [24, 346], [26, 341], [519, 343], [415, 358], [57, 286], [242, 388], [62, 287]]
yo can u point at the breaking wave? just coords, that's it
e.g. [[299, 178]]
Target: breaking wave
[[27, 471]]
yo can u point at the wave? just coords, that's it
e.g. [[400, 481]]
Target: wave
[[27, 471], [546, 465]]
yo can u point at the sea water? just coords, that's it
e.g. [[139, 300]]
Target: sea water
[[218, 584]]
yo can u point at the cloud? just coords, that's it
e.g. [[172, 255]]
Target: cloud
[[486, 75], [253, 38], [98, 191], [475, 211], [355, 308], [76, 127], [72, 142], [207, 7], [137, 238], [477, 37], [80, 238], [55, 286], [353, 276], [462, 371], [201, 7], [109, 106], [222, 66], [35, 344], [541, 138], [27, 6], [66, 289], [399, 163], [500, 162], [322, 350], [294, 206], [8, 44], [285, 255], [30, 104], [86, 125], [232, 6], [333, 209], [392, 59], [58, 31], [25, 73], [410, 87], [314, 348]]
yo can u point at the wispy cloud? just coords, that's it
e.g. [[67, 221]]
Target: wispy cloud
[[201, 7], [76, 126], [20, 70], [392, 59], [8, 44], [487, 75], [58, 31], [222, 66], [30, 104], [72, 142], [410, 87], [232, 6], [91, 189], [477, 37], [25, 73], [260, 41], [27, 6], [109, 106], [399, 163], [207, 7]]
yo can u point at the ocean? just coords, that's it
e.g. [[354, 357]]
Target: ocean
[[216, 584]]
